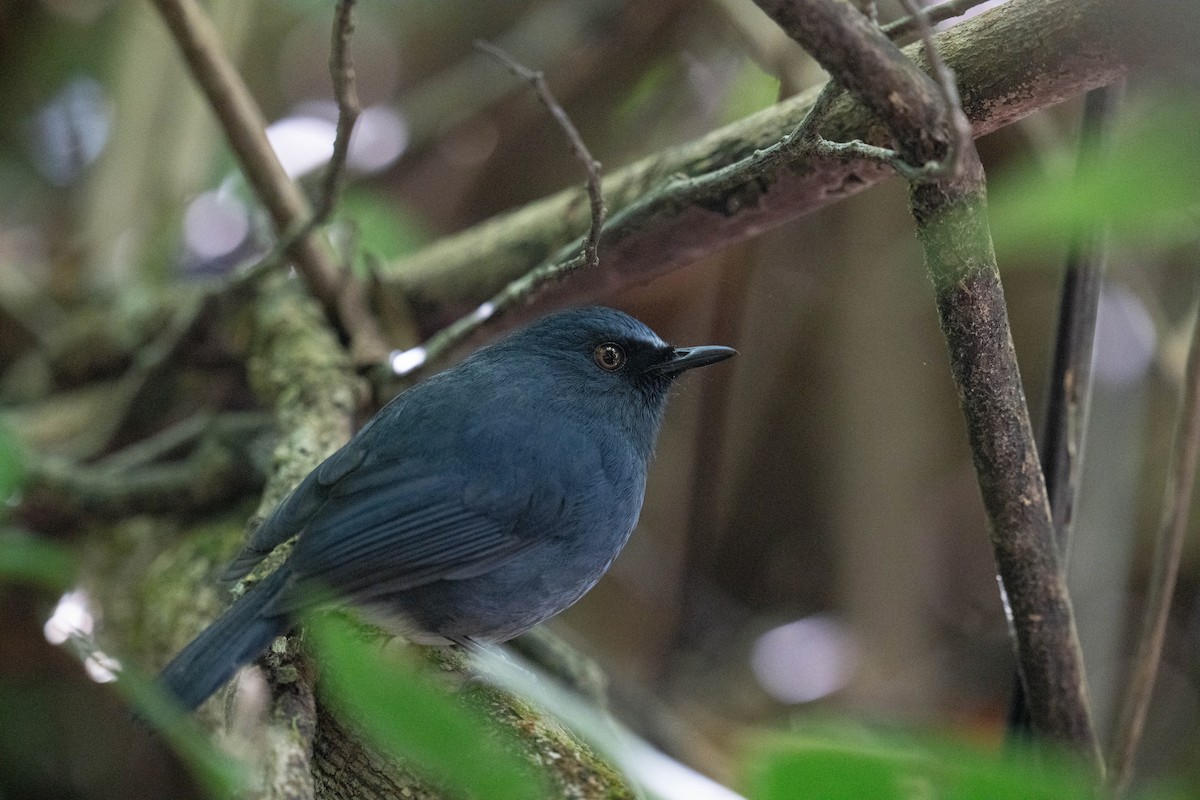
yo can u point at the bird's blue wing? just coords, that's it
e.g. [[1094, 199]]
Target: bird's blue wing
[[294, 513], [386, 529]]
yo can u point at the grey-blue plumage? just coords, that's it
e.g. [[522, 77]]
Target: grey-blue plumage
[[475, 505]]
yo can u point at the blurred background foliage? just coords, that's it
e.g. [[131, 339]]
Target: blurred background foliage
[[812, 542]]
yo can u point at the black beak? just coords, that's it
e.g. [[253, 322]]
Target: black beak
[[682, 359]]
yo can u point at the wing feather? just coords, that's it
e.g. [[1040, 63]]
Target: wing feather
[[390, 532]]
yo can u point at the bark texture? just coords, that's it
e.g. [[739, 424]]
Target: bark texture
[[1021, 57]]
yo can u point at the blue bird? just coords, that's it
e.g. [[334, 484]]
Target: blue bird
[[473, 506]]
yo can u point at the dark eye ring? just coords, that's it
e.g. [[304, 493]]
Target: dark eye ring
[[609, 356]]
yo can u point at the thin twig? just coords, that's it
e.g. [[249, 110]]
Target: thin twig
[[935, 14], [596, 198], [522, 290], [1075, 50], [1168, 549], [961, 136], [345, 89], [1071, 374], [218, 467], [149, 364], [244, 127]]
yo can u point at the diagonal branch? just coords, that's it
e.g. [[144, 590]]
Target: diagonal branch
[[244, 127], [1021, 57], [418, 359], [536, 79], [950, 209]]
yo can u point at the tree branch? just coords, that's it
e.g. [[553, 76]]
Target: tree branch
[[244, 128], [1021, 57], [844, 41], [305, 380], [949, 205], [935, 14], [217, 469]]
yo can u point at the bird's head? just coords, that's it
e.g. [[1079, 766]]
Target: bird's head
[[607, 363]]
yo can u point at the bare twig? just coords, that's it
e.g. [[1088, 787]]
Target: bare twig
[[419, 359], [935, 14], [578, 147], [1168, 549], [149, 364], [244, 127], [170, 439], [1005, 75], [960, 136], [345, 89], [522, 290]]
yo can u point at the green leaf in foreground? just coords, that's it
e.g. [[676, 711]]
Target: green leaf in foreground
[[408, 714], [26, 558], [833, 765], [221, 776]]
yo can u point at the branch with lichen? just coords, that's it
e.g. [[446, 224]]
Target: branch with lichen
[[931, 145], [664, 213]]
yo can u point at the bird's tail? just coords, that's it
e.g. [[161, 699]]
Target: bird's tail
[[236, 638]]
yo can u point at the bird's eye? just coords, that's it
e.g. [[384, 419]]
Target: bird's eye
[[609, 356]]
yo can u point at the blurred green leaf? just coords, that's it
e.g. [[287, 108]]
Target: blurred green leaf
[[384, 229], [1146, 189], [405, 712], [832, 765], [31, 559], [750, 90], [647, 95], [12, 467], [221, 776]]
